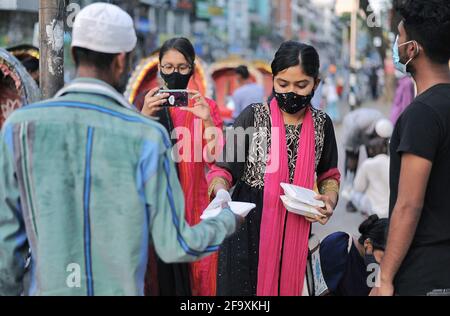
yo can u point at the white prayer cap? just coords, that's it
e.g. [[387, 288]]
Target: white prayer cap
[[104, 28], [384, 128]]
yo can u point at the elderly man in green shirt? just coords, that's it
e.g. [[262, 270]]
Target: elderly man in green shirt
[[87, 183]]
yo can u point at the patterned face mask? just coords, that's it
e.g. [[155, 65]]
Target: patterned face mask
[[292, 102]]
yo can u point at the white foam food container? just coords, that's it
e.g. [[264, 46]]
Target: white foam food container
[[239, 208], [300, 208], [301, 195]]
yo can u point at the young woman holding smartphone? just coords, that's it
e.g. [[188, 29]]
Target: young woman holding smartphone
[[176, 66]]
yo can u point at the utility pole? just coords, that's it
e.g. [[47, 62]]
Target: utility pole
[[353, 55], [51, 32], [354, 33]]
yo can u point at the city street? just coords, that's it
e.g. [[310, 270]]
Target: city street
[[116, 180]]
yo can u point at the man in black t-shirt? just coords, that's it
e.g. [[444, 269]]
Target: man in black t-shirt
[[417, 257]]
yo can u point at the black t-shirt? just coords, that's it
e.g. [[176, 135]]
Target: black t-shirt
[[424, 130]]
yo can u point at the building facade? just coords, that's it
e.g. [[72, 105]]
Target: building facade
[[18, 20]]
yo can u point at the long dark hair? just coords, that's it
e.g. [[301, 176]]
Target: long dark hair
[[375, 229], [292, 53], [180, 44]]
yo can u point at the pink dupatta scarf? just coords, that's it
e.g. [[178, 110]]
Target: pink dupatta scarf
[[293, 252]]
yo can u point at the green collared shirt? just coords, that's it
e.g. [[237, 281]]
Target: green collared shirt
[[88, 184]]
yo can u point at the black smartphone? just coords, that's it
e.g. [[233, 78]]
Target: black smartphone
[[177, 98]]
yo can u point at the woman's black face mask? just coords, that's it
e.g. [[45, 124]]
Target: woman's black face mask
[[292, 102], [176, 80]]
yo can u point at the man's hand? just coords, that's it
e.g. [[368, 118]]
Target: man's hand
[[385, 289]]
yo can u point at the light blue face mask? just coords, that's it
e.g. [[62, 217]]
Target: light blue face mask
[[396, 56]]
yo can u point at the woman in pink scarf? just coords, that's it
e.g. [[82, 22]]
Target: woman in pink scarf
[[287, 140]]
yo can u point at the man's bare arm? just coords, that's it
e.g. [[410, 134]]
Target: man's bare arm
[[414, 176]]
